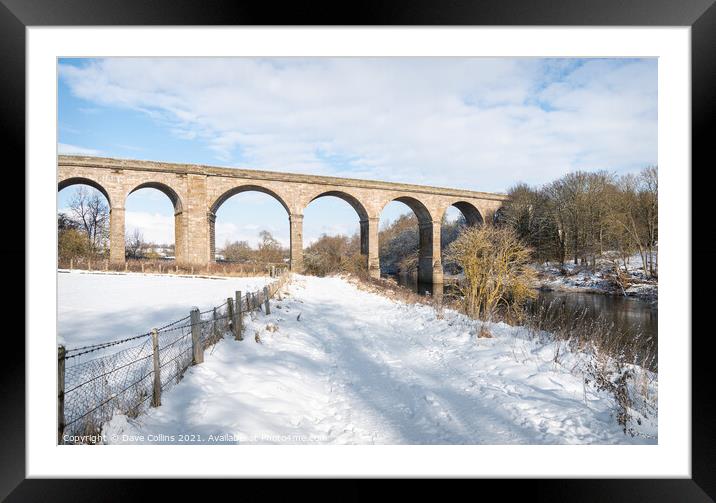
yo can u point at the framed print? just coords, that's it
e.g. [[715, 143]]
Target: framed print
[[428, 234]]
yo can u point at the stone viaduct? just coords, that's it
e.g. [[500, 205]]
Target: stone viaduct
[[197, 192]]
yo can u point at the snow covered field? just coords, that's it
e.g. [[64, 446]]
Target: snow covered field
[[333, 363], [96, 307]]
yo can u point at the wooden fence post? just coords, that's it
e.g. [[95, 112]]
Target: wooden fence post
[[197, 350], [126, 266], [215, 328], [266, 294], [71, 264], [230, 314], [142, 263], [60, 393], [89, 263], [239, 317], [157, 388]]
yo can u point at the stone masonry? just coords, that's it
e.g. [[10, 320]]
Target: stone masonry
[[197, 192]]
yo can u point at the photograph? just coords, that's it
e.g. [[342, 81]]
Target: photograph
[[324, 250], [412, 242]]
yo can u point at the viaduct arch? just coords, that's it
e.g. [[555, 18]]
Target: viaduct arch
[[197, 192]]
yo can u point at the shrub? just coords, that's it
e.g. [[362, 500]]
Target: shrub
[[498, 278], [334, 254], [72, 243]]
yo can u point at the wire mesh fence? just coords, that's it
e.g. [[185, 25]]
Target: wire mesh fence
[[94, 384]]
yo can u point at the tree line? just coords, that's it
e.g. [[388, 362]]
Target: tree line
[[583, 216]]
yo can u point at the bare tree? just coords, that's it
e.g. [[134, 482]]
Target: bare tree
[[134, 244], [397, 241], [332, 254], [580, 210], [270, 250], [90, 211], [532, 215], [635, 213], [64, 222], [238, 251], [650, 214]]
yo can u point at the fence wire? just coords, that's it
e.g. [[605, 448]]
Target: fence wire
[[123, 381]]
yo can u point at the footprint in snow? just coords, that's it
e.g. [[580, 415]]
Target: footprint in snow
[[408, 411], [430, 400]]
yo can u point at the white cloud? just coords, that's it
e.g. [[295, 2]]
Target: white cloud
[[311, 234], [227, 231], [67, 149], [155, 227], [474, 123]]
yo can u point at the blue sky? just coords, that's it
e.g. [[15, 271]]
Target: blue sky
[[474, 123]]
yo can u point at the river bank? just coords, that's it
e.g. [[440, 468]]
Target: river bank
[[599, 279], [628, 314]]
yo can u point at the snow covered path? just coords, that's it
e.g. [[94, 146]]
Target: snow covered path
[[349, 366]]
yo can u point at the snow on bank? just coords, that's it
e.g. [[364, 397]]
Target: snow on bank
[[572, 277], [96, 307], [337, 364]]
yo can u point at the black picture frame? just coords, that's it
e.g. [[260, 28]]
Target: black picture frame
[[700, 15]]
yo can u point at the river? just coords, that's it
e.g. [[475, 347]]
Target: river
[[626, 312]]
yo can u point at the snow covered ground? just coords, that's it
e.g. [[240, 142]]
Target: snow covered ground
[[96, 307], [334, 363], [586, 279]]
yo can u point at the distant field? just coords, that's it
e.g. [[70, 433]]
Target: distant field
[[98, 307]]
